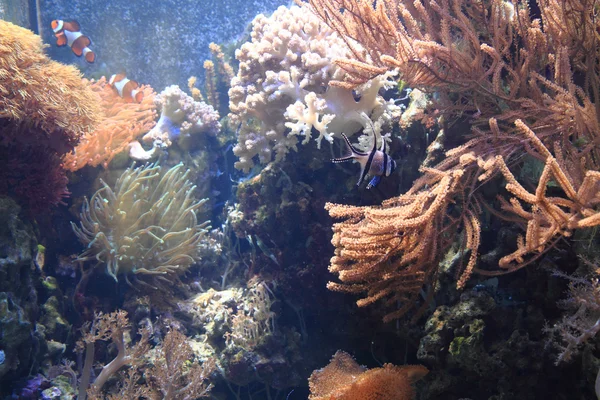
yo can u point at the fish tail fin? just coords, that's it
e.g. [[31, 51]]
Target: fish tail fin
[[90, 56]]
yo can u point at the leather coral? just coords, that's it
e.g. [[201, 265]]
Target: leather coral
[[45, 107]]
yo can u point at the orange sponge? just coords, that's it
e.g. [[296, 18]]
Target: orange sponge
[[344, 379]]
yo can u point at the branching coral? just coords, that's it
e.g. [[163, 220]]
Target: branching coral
[[281, 90], [391, 251], [173, 376], [344, 379], [122, 123], [45, 108], [537, 102], [582, 321], [112, 327], [145, 226], [218, 74]]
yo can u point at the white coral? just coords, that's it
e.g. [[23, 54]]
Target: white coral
[[181, 117], [282, 88]]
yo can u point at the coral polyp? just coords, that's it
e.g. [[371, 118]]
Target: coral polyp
[[146, 225]]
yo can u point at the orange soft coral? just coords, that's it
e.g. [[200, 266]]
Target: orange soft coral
[[122, 124], [344, 379], [37, 93], [45, 107]]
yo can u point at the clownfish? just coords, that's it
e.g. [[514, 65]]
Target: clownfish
[[126, 88], [69, 33], [376, 163]]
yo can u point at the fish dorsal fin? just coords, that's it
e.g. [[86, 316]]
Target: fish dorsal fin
[[367, 160], [353, 149], [72, 26], [352, 154]]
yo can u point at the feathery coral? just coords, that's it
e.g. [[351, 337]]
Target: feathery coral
[[173, 376], [391, 251], [146, 225], [344, 379], [122, 123]]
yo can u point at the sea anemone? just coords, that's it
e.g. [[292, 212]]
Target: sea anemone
[[145, 226]]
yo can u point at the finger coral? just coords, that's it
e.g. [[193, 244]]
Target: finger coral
[[145, 226], [281, 91], [344, 379], [45, 107], [122, 123]]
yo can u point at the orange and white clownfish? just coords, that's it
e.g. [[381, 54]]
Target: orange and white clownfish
[[129, 90], [69, 33]]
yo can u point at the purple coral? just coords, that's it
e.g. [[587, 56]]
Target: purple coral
[[32, 388], [181, 116]]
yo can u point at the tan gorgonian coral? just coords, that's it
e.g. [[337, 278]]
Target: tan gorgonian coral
[[391, 252], [344, 379], [146, 226], [122, 123], [536, 103], [36, 92]]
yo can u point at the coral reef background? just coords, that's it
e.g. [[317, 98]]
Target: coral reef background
[[206, 245]]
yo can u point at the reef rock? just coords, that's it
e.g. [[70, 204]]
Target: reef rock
[[18, 297]]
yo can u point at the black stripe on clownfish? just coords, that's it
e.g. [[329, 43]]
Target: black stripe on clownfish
[[376, 163], [128, 89], [69, 33]]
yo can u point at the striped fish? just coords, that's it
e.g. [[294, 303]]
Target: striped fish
[[376, 163], [68, 33]]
